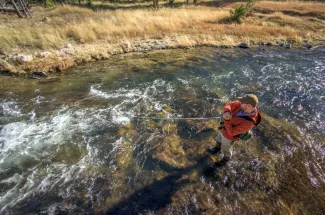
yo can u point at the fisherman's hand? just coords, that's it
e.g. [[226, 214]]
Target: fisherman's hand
[[227, 116]]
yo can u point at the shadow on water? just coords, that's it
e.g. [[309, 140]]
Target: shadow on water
[[158, 194]]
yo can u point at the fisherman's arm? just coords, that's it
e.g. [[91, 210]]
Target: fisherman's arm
[[228, 109]]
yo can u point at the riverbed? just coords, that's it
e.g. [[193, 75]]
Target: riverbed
[[79, 145]]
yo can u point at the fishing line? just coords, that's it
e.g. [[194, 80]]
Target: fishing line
[[178, 118]]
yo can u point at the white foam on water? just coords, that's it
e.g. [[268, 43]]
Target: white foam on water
[[120, 117], [247, 71], [35, 138], [183, 81], [10, 109], [17, 136], [124, 93], [147, 96], [40, 181]]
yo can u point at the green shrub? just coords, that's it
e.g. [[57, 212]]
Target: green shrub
[[241, 11], [238, 14], [49, 4]]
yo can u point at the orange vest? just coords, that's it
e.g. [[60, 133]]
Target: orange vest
[[238, 125]]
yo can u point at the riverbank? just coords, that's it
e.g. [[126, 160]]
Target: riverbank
[[55, 40]]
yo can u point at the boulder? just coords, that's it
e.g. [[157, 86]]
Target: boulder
[[280, 43], [306, 44], [45, 54], [125, 47], [269, 44], [38, 75], [21, 58], [243, 46]]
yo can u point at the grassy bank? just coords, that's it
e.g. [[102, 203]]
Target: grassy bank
[[103, 31]]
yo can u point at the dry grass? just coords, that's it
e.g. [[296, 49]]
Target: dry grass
[[293, 8], [292, 5], [80, 25], [67, 24]]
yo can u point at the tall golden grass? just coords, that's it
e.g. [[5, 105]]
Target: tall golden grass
[[69, 24]]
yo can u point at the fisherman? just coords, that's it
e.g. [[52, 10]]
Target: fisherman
[[239, 118]]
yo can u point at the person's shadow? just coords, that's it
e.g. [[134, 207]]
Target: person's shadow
[[158, 194]]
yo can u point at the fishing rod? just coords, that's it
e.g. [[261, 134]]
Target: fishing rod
[[177, 118]]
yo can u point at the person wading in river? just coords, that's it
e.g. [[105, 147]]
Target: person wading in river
[[238, 119]]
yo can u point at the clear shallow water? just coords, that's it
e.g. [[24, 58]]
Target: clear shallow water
[[74, 147]]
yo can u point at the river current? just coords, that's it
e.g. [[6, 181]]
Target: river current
[[75, 146]]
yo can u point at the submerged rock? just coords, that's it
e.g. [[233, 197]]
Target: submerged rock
[[123, 155], [171, 152], [127, 130], [49, 80], [191, 128], [69, 154], [170, 128]]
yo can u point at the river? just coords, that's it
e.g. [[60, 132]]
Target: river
[[75, 146]]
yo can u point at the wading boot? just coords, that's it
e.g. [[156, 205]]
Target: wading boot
[[214, 149], [222, 162]]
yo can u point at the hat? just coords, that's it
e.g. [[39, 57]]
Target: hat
[[249, 99]]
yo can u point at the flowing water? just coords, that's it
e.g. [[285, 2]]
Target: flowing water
[[75, 147]]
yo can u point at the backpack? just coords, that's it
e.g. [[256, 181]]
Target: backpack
[[247, 135]]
